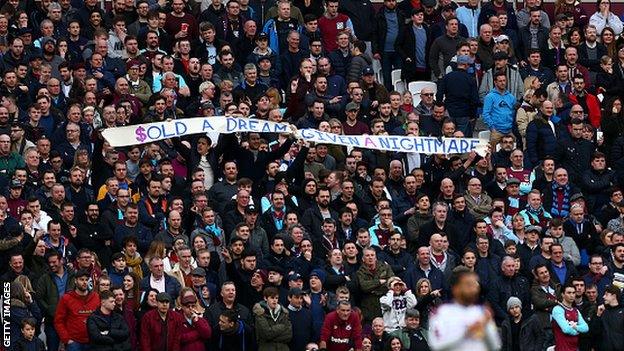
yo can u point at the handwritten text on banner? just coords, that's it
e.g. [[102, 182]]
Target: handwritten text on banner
[[150, 132]]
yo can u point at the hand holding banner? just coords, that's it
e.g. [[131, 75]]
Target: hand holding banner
[[150, 132]]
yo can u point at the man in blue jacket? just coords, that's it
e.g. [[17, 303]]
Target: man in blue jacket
[[458, 90], [499, 109]]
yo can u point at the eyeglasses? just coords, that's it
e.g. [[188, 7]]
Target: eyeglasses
[[426, 94]]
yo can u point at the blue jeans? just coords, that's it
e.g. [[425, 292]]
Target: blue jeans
[[52, 338], [389, 61], [76, 346], [465, 125]]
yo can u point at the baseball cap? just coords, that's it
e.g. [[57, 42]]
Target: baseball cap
[[368, 71], [189, 299], [418, 10], [251, 209], [163, 297], [352, 106], [16, 184], [513, 181], [134, 63], [501, 38], [262, 36], [533, 228], [198, 272], [294, 276], [464, 60], [276, 269], [499, 55]]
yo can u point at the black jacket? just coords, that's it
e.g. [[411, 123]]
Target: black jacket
[[608, 329], [117, 336], [405, 46], [575, 156], [381, 28], [531, 336], [312, 220], [525, 40], [585, 61], [507, 287]]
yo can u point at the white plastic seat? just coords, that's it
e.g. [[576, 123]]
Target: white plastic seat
[[417, 86], [484, 134]]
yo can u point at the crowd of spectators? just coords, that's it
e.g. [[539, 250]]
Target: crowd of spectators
[[260, 241]]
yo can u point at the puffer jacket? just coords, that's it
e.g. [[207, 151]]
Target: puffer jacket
[[273, 333], [540, 140]]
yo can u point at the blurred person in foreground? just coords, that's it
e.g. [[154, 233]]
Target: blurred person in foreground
[[462, 324]]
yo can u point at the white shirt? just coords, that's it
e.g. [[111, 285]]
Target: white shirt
[[158, 284], [449, 324]]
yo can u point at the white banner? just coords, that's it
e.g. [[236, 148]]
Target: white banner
[[150, 132]]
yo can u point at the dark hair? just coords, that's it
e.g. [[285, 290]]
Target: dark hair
[[458, 274]]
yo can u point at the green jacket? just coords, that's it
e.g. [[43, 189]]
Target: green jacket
[[372, 289], [273, 334], [404, 335], [47, 293], [9, 163]]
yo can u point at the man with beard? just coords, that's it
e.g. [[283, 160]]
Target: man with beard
[[193, 78], [73, 309], [138, 87], [79, 195], [313, 217], [463, 323], [92, 235], [114, 214], [131, 227], [122, 93], [48, 45]]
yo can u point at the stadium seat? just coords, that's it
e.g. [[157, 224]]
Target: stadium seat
[[417, 86]]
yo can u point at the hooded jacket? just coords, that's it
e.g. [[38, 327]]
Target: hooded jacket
[[499, 110]]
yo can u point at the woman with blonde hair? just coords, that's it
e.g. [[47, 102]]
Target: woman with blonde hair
[[532, 82], [157, 249], [427, 300], [275, 98]]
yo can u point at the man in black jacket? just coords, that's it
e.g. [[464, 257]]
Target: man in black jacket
[[408, 46], [389, 22], [458, 90], [609, 320], [313, 217], [520, 332], [108, 329]]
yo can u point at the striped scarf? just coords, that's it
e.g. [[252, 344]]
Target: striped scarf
[[565, 205]]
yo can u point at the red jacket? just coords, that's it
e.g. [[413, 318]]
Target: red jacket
[[342, 335], [593, 105], [195, 336], [70, 319], [152, 332]]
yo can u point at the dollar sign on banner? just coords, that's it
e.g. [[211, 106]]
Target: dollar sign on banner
[[140, 134]]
